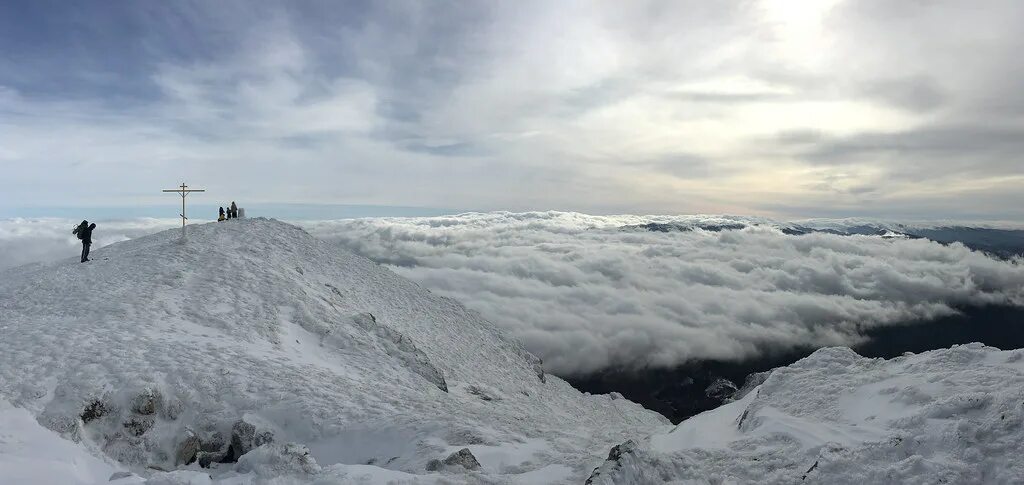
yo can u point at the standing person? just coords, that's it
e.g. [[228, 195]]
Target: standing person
[[229, 212], [84, 232], [221, 216], [234, 210]]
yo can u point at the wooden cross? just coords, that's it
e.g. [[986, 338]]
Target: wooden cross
[[183, 190]]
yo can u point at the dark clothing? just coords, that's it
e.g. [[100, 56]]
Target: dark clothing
[[233, 210], [85, 234]]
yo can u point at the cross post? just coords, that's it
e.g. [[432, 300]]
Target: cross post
[[183, 190]]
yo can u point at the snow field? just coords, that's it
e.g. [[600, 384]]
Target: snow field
[[946, 416], [255, 320]]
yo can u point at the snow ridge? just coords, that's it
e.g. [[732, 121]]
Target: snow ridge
[[151, 356], [945, 416]]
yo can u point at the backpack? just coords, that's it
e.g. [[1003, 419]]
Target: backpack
[[79, 231]]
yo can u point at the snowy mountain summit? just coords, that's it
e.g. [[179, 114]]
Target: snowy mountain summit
[[253, 353]]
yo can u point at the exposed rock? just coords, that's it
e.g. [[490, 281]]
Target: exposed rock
[[146, 402], [93, 410], [537, 364], [187, 449], [463, 458], [483, 393], [245, 437], [208, 458], [613, 462], [749, 384], [138, 425], [216, 442], [721, 389]]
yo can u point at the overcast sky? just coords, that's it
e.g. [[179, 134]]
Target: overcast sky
[[902, 109]]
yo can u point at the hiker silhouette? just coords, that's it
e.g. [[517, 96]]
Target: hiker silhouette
[[84, 232]]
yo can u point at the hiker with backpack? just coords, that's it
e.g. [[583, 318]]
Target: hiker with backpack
[[84, 232], [221, 216], [233, 210]]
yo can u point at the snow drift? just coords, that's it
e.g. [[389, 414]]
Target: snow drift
[[252, 351], [945, 416]]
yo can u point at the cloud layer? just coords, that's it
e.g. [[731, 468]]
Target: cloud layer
[[24, 241], [586, 295], [795, 109]]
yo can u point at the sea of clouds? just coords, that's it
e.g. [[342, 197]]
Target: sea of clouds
[[588, 293], [29, 240], [585, 294]]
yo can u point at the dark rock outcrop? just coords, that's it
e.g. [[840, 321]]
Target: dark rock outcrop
[[462, 458], [721, 389], [614, 461], [187, 449], [93, 410]]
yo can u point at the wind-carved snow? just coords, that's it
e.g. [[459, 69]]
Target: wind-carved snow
[[253, 341], [945, 416]]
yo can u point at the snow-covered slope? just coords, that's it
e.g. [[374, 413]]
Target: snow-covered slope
[[945, 416], [160, 352]]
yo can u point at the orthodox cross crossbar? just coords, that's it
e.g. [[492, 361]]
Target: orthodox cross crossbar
[[183, 190]]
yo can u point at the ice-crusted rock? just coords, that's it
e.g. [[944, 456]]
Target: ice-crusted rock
[[214, 448], [462, 458], [146, 402], [94, 410], [245, 436], [214, 442], [187, 449], [138, 425], [617, 464]]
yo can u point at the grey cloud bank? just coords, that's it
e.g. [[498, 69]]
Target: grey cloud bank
[[586, 295]]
